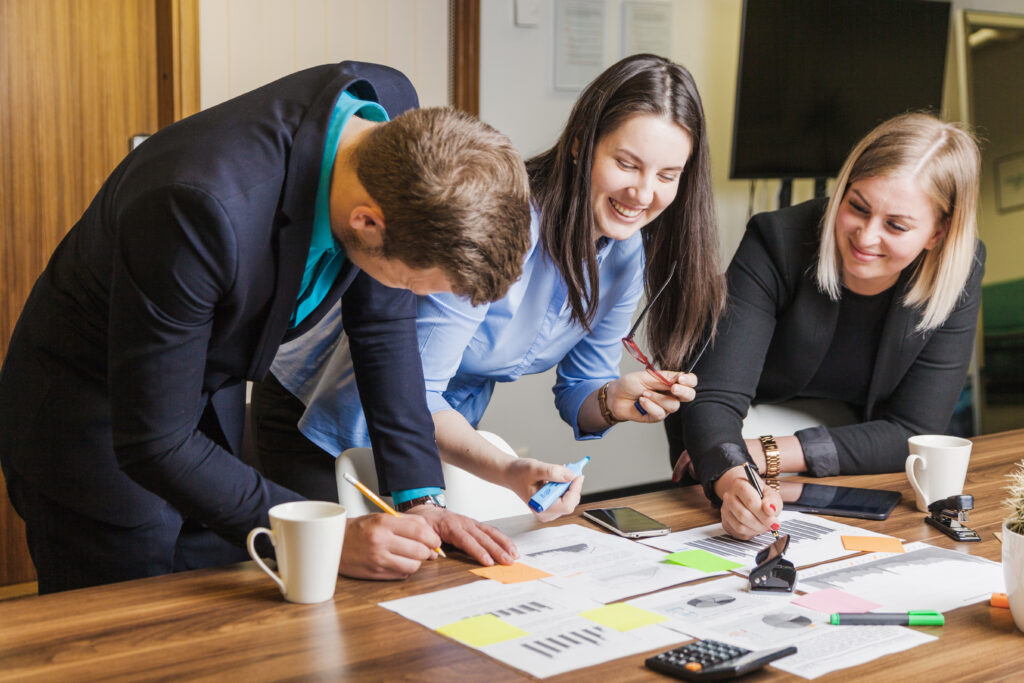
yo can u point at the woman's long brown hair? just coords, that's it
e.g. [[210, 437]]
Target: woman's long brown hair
[[685, 233]]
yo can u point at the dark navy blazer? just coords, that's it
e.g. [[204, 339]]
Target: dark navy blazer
[[125, 376]]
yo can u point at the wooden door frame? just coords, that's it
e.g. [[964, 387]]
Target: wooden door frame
[[177, 39], [464, 49]]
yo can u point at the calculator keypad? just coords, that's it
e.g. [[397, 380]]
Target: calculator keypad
[[701, 655]]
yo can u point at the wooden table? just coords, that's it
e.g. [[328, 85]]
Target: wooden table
[[231, 623]]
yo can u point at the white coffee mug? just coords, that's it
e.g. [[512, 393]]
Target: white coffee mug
[[307, 537], [937, 467]]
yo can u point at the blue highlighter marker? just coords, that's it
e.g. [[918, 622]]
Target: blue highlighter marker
[[553, 490]]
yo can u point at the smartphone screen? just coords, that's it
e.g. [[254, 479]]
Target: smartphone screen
[[626, 522]]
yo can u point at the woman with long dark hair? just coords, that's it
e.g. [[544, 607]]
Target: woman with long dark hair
[[622, 206]]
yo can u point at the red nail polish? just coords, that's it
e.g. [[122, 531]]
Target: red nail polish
[[775, 527], [772, 507]]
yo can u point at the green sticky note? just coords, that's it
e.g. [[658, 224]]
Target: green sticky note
[[623, 617], [482, 630], [702, 560]]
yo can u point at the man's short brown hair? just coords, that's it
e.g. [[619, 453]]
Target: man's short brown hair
[[454, 194]]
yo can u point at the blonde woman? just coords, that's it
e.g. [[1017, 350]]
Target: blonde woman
[[870, 297]]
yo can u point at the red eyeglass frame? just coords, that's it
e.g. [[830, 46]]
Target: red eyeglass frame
[[631, 347]]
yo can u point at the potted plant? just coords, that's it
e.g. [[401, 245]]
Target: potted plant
[[1013, 545]]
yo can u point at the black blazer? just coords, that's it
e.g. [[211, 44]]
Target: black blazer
[[774, 336], [124, 382]]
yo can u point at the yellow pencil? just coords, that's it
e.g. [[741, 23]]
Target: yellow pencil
[[379, 502]]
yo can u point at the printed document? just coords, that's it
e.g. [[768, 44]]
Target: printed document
[[812, 539], [726, 610]]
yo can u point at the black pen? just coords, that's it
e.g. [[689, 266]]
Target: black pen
[[752, 478]]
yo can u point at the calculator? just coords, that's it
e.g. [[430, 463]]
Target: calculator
[[710, 660]]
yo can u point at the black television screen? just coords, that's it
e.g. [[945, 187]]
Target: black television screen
[[816, 75]]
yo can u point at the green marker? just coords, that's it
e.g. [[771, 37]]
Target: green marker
[[913, 618]]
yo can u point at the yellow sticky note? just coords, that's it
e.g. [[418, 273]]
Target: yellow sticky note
[[623, 617], [482, 630], [873, 544], [516, 572]]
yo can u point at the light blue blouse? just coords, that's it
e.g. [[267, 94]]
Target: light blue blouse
[[466, 349]]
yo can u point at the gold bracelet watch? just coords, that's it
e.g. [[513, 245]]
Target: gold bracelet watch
[[772, 461]]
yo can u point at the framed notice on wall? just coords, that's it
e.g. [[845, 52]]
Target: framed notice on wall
[[1010, 182], [579, 42], [647, 27]]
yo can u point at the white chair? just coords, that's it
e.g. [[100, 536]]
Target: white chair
[[358, 463], [783, 419], [466, 493]]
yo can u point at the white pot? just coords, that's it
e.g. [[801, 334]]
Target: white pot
[[1013, 573]]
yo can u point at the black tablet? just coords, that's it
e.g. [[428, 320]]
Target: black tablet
[[841, 501]]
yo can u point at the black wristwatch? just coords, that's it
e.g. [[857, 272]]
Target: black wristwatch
[[435, 498]]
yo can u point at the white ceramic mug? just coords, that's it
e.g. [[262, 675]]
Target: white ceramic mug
[[937, 467], [307, 537]]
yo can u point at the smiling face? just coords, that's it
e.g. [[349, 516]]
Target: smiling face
[[635, 174], [883, 224]]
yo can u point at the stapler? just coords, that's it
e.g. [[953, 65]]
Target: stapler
[[949, 514], [773, 572]]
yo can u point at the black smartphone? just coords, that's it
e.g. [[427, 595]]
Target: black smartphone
[[841, 501], [626, 522]]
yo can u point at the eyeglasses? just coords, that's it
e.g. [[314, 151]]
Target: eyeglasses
[[635, 351], [631, 346]]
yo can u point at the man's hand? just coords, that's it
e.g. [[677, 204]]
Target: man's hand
[[744, 514], [385, 547], [525, 476], [482, 542]]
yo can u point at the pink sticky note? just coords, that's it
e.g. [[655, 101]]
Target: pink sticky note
[[873, 544], [832, 600]]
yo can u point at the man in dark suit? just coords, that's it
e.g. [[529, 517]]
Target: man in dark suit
[[122, 393]]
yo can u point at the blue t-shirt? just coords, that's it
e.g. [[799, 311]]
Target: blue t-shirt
[[326, 255]]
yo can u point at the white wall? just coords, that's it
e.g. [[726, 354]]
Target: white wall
[[246, 43]]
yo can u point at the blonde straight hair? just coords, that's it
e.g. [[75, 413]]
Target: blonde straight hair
[[945, 160]]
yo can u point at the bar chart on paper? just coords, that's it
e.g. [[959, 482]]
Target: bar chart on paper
[[526, 608], [812, 539], [537, 628], [557, 643], [799, 530], [924, 577]]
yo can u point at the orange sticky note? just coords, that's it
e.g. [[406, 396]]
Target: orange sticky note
[[873, 544], [510, 573]]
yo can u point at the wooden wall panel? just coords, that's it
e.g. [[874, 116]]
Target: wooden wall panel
[[77, 79]]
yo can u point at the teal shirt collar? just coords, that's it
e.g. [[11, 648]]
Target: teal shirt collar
[[326, 255]]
